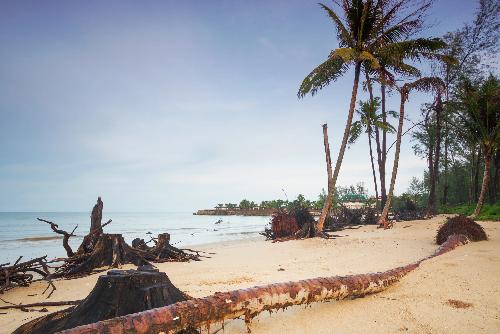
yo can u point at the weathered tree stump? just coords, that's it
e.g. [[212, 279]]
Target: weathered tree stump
[[96, 217], [118, 293], [163, 251], [110, 250], [139, 243]]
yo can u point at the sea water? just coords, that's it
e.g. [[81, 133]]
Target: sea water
[[22, 234]]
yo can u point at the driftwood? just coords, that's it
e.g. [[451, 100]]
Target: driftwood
[[65, 235], [90, 240], [163, 251], [118, 293], [343, 217], [26, 307], [24, 273], [99, 249], [110, 250], [250, 302], [96, 217]]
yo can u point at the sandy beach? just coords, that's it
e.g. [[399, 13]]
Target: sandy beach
[[454, 293]]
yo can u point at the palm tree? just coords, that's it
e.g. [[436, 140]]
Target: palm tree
[[479, 113], [354, 38], [422, 84], [366, 36], [392, 55], [369, 121]]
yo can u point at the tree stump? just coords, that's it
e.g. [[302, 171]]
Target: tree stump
[[163, 251], [118, 293], [96, 217], [139, 243], [109, 250]]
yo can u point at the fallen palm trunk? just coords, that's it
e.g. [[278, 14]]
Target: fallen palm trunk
[[250, 302]]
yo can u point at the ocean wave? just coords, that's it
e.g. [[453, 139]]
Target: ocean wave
[[39, 238], [241, 233]]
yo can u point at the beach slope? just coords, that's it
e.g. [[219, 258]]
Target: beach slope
[[457, 292]]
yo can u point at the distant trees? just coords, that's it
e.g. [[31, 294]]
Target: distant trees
[[478, 108], [341, 194], [246, 204]]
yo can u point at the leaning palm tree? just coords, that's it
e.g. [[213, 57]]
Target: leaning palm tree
[[422, 84], [478, 109], [369, 122], [355, 33]]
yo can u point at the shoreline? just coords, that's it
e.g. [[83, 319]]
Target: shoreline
[[466, 274]]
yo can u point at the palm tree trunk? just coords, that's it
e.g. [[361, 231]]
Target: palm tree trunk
[[471, 175], [384, 141], [445, 186], [347, 130], [476, 175], [431, 206], [383, 221], [331, 189], [370, 91], [496, 176], [373, 167], [484, 187], [432, 183], [446, 135]]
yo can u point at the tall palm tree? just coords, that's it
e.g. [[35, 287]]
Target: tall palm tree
[[360, 17], [422, 84], [399, 20], [364, 36], [479, 113], [392, 55], [370, 121]]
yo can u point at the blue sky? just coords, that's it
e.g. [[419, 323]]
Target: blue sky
[[174, 105]]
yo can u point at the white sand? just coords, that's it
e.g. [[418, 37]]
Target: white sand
[[417, 304]]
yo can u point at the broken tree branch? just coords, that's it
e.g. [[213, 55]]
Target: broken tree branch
[[22, 273], [65, 234], [42, 304]]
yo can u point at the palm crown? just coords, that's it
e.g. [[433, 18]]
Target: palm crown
[[369, 37], [369, 119]]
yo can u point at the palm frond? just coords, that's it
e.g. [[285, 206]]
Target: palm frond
[[414, 49], [322, 76], [366, 56], [404, 69], [347, 54], [425, 84], [355, 133], [342, 33], [394, 34]]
